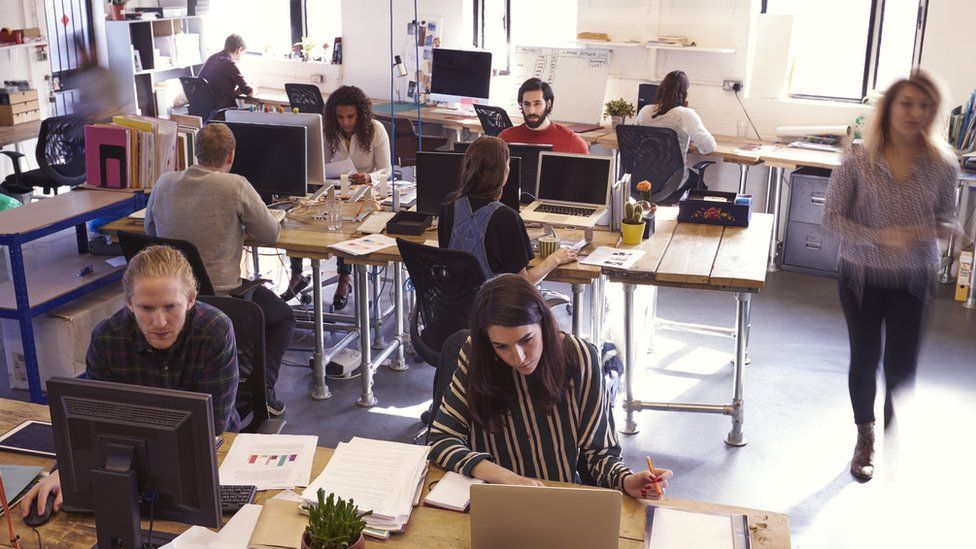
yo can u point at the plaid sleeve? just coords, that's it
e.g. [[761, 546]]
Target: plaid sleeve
[[220, 376]]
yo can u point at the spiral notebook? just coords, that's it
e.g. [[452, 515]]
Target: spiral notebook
[[453, 492]]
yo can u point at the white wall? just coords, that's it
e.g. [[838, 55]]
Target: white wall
[[949, 46]]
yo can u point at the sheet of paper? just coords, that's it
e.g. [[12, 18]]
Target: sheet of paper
[[234, 535], [675, 529], [616, 258], [365, 245], [270, 462], [116, 261], [334, 170]]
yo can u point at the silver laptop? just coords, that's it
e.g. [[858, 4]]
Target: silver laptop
[[523, 517], [574, 190]]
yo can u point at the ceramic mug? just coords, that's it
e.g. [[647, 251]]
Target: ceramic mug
[[548, 246]]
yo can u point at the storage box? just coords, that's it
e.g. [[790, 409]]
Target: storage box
[[715, 208], [61, 336], [412, 223], [19, 107], [962, 277]]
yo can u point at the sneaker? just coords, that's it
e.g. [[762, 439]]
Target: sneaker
[[295, 286], [275, 406]]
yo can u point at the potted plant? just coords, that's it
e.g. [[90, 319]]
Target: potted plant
[[118, 9], [632, 224], [618, 110], [649, 208], [334, 523]]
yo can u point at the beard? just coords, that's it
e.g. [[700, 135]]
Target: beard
[[535, 121]]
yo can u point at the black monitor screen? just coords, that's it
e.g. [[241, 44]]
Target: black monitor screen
[[271, 157], [574, 178], [528, 153], [460, 73], [439, 174]]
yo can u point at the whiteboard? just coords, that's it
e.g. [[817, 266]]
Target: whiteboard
[[578, 77]]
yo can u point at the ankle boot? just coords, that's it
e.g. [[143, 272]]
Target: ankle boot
[[862, 464]]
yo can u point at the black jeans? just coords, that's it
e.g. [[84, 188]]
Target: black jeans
[[279, 326], [296, 266], [902, 315]]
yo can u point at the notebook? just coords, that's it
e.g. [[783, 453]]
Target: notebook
[[453, 492]]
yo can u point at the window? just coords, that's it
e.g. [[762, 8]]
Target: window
[[500, 25], [493, 31], [323, 23], [870, 43], [270, 27]]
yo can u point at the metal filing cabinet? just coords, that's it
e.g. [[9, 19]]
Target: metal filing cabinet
[[807, 248]]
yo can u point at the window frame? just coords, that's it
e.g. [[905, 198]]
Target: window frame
[[478, 32], [872, 49]]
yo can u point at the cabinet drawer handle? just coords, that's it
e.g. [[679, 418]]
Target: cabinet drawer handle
[[818, 200], [814, 242]]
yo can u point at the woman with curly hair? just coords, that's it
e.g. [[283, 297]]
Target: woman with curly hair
[[350, 133]]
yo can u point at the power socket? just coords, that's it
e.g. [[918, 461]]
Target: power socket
[[317, 78], [732, 85]]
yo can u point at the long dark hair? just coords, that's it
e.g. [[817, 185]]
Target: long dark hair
[[349, 96], [482, 170], [510, 300], [673, 92]]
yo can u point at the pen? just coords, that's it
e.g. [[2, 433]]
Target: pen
[[657, 487]]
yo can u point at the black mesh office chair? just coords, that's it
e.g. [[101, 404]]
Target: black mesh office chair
[[305, 98], [445, 282], [133, 243], [493, 119], [252, 401], [446, 365], [653, 154], [203, 103], [407, 141], [60, 155]]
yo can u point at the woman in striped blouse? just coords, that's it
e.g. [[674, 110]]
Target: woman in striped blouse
[[527, 401]]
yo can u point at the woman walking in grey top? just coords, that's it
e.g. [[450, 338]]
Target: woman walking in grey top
[[889, 201]]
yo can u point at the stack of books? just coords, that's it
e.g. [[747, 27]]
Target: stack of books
[[379, 476], [188, 125], [131, 152], [962, 125]]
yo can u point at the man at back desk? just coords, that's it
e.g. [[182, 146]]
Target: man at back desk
[[221, 72], [535, 101]]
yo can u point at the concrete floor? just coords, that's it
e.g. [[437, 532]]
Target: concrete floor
[[798, 421]]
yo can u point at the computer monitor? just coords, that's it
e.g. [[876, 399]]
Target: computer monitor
[[529, 153], [439, 174], [575, 178], [314, 143], [271, 157], [456, 75], [646, 94], [120, 444]]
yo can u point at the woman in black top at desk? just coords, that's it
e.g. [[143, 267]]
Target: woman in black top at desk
[[529, 402], [473, 219], [889, 202]]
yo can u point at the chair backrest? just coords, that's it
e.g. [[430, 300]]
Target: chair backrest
[[445, 282], [305, 98], [651, 154], [248, 321], [445, 370], [133, 243], [493, 119], [202, 100], [60, 150]]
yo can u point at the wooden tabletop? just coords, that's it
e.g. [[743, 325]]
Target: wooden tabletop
[[49, 211], [10, 135], [429, 528]]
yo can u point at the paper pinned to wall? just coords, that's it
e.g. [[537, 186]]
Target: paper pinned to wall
[[578, 77]]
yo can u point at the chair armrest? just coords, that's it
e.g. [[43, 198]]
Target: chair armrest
[[272, 427], [246, 290], [14, 155], [700, 168]]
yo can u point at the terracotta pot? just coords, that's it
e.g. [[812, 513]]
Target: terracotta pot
[[117, 13], [307, 542], [633, 233]]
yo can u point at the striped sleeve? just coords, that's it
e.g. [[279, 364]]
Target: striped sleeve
[[450, 434], [598, 435]]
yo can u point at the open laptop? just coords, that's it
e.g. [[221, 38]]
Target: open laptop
[[574, 190], [523, 517]]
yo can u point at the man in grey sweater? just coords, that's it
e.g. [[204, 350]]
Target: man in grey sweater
[[214, 209]]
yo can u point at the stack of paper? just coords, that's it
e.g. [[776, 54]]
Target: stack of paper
[[365, 245], [384, 477], [453, 492], [270, 462]]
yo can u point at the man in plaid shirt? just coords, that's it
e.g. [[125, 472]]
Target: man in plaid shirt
[[162, 338]]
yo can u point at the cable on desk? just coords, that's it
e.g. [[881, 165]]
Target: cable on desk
[[749, 118], [39, 544]]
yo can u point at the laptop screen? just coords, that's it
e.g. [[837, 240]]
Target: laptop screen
[[578, 178], [439, 174]]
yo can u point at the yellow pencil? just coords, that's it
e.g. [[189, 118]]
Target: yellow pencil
[[657, 487]]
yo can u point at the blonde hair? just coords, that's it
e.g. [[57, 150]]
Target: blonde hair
[[878, 134], [158, 262], [215, 142]]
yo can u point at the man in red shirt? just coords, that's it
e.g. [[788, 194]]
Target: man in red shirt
[[535, 101]]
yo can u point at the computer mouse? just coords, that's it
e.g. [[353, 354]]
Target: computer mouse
[[33, 519]]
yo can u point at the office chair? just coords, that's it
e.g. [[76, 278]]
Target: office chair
[[446, 365], [133, 243], [201, 98], [252, 401], [407, 140], [60, 155], [493, 119], [305, 97], [653, 154]]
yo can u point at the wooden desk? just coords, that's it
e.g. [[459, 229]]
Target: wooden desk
[[429, 528], [13, 135]]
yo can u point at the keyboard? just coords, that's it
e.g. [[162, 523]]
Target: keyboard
[[235, 496], [565, 210], [278, 215]]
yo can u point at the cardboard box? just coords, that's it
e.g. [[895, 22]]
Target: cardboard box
[[10, 119], [18, 97], [962, 280], [61, 336]]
